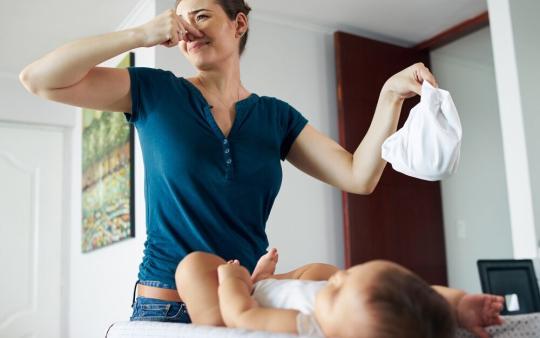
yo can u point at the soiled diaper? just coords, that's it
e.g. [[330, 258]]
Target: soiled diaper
[[428, 145]]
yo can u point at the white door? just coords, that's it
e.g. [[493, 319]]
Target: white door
[[31, 198]]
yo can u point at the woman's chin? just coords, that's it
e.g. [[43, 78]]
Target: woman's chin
[[202, 63]]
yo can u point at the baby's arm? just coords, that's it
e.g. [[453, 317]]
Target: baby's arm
[[473, 311], [240, 310]]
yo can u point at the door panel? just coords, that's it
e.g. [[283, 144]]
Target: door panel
[[402, 220], [31, 174]]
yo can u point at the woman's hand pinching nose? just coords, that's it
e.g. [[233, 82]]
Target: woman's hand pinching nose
[[187, 29]]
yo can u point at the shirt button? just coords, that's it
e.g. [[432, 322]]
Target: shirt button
[[225, 141], [229, 161], [227, 151]]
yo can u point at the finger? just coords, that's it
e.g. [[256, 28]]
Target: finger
[[189, 28], [496, 308], [425, 74], [417, 87], [173, 39], [498, 320], [180, 28]]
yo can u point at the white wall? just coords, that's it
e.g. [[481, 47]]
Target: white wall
[[475, 204], [514, 31], [491, 205], [526, 27], [16, 104]]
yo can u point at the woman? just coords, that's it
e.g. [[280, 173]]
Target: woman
[[211, 148]]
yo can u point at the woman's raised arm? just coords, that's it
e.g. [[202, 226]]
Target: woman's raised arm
[[323, 158], [69, 74]]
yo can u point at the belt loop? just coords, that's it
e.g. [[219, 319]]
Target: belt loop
[[134, 291]]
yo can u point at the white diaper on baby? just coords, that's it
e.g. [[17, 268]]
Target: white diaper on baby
[[292, 294], [428, 145]]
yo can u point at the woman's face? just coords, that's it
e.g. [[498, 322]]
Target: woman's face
[[220, 36]]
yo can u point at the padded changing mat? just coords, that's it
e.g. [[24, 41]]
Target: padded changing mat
[[146, 329], [514, 326]]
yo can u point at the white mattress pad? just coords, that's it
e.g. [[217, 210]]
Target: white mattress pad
[[514, 326]]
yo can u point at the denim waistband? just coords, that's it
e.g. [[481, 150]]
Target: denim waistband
[[154, 283]]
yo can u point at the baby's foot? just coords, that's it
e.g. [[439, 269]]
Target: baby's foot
[[266, 266]]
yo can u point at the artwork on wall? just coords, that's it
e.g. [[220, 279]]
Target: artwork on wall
[[107, 176]]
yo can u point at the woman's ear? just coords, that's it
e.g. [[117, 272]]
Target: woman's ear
[[241, 24]]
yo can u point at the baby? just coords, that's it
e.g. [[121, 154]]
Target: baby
[[374, 299]]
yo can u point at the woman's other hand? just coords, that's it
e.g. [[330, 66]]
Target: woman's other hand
[[408, 82], [166, 30]]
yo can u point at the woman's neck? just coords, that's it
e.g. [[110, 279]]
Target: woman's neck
[[223, 81]]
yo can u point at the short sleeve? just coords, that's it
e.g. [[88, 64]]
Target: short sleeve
[[292, 123], [132, 116], [145, 83]]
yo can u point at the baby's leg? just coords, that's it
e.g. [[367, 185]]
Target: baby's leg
[[314, 271], [267, 265], [197, 283]]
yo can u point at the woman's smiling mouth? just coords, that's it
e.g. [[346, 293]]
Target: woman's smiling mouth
[[197, 45]]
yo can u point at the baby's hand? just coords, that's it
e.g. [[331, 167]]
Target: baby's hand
[[475, 312]]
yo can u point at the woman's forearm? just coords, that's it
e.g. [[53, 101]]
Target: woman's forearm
[[367, 162], [69, 63]]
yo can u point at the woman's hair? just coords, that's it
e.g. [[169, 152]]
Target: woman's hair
[[401, 304], [232, 8]]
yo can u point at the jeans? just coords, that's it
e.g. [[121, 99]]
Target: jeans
[[156, 309]]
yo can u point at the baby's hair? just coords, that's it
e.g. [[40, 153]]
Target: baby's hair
[[232, 8], [403, 305]]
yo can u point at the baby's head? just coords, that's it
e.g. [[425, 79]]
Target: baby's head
[[380, 299]]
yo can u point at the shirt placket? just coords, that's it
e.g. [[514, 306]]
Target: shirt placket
[[227, 158]]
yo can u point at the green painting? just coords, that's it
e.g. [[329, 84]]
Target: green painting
[[107, 176]]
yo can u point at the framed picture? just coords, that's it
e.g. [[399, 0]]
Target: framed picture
[[108, 199]]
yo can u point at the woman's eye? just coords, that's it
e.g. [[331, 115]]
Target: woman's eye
[[201, 16]]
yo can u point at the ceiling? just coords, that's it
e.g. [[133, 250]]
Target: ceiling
[[33, 28]]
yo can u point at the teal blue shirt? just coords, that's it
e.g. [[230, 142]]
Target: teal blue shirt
[[204, 191]]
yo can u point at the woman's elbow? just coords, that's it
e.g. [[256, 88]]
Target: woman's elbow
[[361, 188], [27, 84]]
